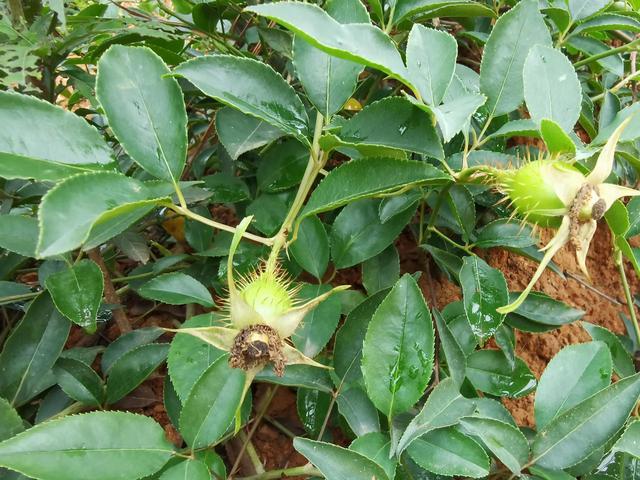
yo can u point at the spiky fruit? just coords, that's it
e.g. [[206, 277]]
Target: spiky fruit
[[533, 189], [261, 297], [554, 193]]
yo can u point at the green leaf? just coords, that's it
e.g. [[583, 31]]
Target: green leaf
[[454, 115], [629, 442], [506, 340], [134, 246], [19, 234], [608, 21], [391, 206], [250, 86], [505, 441], [282, 166], [358, 234], [397, 357], [299, 376], [431, 60], [449, 263], [574, 374], [327, 80], [125, 343], [189, 356], [358, 411], [337, 463], [489, 372], [66, 218], [575, 434], [368, 177], [444, 407], [484, 289], [145, 109], [10, 422], [618, 219], [187, 470], [505, 233], [311, 248], [551, 87], [396, 123], [522, 127], [448, 452], [226, 188], [212, 404], [359, 42], [91, 446], [458, 211], [79, 381], [77, 293], [556, 139], [382, 271], [580, 9], [240, 133], [347, 350], [376, 447], [425, 9], [319, 324], [501, 72], [62, 145], [546, 474], [590, 46], [31, 350], [541, 308], [622, 361], [312, 407], [176, 288], [489, 408], [454, 356], [132, 368]]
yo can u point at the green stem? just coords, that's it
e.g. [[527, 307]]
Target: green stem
[[617, 86], [434, 212], [17, 298], [608, 53], [479, 141], [316, 162], [389, 26], [212, 223], [17, 13], [306, 470], [70, 410], [464, 248], [627, 294]]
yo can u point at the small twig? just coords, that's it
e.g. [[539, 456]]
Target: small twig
[[256, 423], [110, 294], [280, 426], [199, 147], [307, 470], [592, 288], [627, 293]]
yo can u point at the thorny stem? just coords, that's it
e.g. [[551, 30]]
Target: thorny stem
[[627, 293], [307, 470]]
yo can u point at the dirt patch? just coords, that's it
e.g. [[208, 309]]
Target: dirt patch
[[538, 349]]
